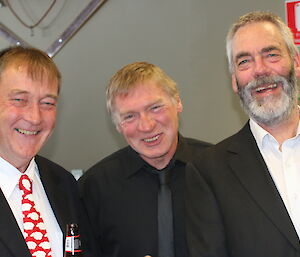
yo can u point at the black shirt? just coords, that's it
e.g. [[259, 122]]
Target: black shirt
[[120, 195]]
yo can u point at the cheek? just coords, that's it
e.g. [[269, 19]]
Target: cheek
[[284, 71], [171, 119], [50, 119], [243, 79], [128, 132]]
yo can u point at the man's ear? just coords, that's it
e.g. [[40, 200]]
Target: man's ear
[[179, 105], [234, 83], [297, 65], [118, 128]]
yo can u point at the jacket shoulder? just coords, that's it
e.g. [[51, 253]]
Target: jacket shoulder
[[52, 167], [114, 162], [217, 155], [197, 143]]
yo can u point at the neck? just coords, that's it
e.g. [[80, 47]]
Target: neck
[[286, 129], [159, 163], [21, 165]]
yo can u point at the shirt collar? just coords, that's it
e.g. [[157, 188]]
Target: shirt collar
[[135, 163], [10, 175], [258, 132], [261, 135]]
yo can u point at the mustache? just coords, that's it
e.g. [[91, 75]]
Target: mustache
[[270, 79], [275, 79]]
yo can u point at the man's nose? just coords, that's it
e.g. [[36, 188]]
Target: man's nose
[[146, 122], [261, 68], [33, 114]]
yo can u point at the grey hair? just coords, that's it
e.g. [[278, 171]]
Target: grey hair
[[260, 16]]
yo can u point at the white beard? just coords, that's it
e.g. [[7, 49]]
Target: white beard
[[270, 110]]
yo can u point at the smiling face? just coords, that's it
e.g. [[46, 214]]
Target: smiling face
[[27, 114], [264, 73], [148, 120]]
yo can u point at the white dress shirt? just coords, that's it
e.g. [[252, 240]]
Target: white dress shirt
[[9, 184], [284, 167]]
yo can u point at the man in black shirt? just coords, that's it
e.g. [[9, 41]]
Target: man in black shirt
[[122, 193]]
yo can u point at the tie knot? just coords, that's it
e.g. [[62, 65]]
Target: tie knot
[[162, 177], [25, 184]]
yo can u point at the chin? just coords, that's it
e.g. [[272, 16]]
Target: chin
[[156, 155], [27, 155]]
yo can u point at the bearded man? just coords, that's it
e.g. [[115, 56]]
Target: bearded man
[[243, 195]]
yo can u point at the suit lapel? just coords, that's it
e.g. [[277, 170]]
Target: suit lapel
[[249, 167], [54, 189], [10, 233]]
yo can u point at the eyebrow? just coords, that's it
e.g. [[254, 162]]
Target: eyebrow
[[20, 92], [269, 49], [242, 54], [159, 101], [51, 96]]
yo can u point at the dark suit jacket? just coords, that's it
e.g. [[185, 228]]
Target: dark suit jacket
[[61, 189], [234, 208]]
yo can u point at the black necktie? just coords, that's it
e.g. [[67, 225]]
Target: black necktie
[[165, 217]]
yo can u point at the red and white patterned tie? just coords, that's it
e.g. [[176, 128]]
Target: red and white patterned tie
[[34, 227]]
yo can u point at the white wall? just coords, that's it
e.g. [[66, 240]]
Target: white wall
[[185, 38]]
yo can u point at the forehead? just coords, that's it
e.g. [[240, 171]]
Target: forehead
[[256, 36], [17, 76], [141, 95]]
